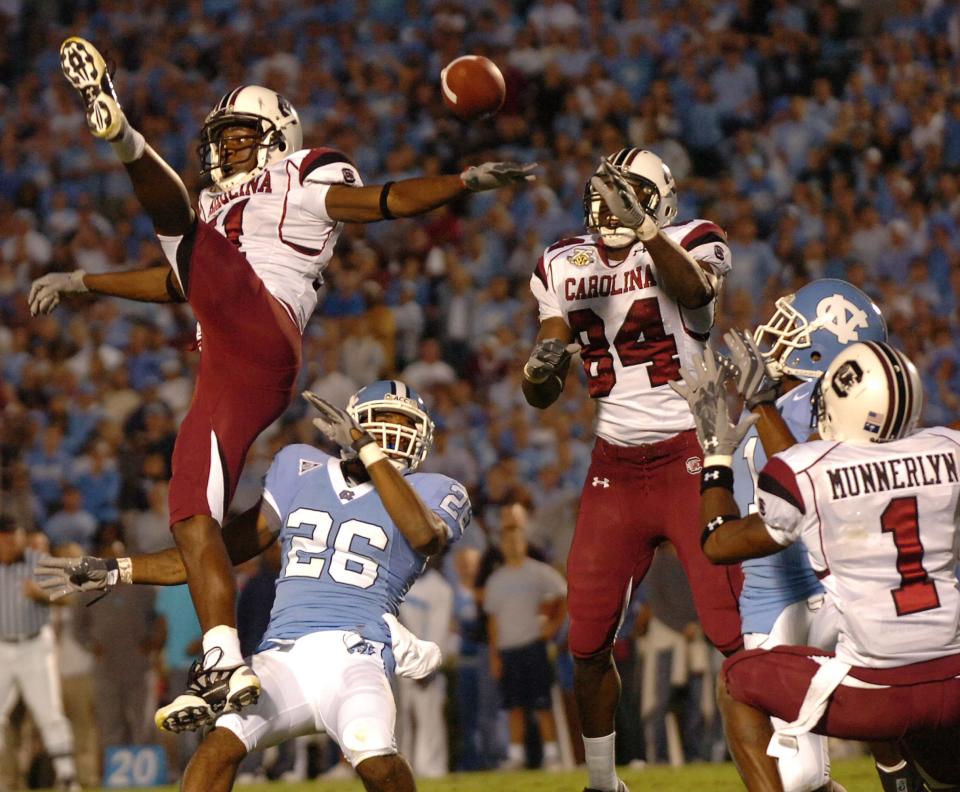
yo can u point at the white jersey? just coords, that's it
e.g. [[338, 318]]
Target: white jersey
[[633, 337], [880, 525], [279, 221]]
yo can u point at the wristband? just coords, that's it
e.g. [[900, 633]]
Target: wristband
[[715, 523], [717, 460], [370, 454], [716, 476], [384, 209]]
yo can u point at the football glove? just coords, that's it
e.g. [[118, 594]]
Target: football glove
[[492, 175], [339, 426], [749, 369], [58, 577], [550, 358], [621, 200], [703, 388], [45, 292]]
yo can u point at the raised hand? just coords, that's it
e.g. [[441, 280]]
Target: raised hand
[[621, 199], [339, 426], [46, 291], [493, 175], [752, 377], [703, 388]]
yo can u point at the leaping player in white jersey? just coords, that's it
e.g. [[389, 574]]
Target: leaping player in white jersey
[[355, 532], [249, 266], [637, 295], [876, 505]]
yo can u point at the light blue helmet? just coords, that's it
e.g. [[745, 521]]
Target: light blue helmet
[[405, 445], [810, 327]]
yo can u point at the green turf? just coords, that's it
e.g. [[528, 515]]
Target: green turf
[[856, 775]]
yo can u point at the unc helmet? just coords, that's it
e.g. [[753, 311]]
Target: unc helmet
[[811, 326], [655, 188], [870, 393], [270, 116], [406, 445]]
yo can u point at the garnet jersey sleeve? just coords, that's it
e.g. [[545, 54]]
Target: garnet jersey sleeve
[[780, 502], [320, 168]]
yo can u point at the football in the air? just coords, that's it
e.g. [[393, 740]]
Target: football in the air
[[472, 87]]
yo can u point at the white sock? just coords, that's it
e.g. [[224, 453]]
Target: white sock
[[64, 768], [226, 639], [551, 752], [129, 144], [601, 765], [515, 752]]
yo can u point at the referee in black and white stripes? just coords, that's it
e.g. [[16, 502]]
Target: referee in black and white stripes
[[28, 652]]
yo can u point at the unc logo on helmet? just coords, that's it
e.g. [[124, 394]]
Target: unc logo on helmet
[[407, 446], [274, 125], [812, 326]]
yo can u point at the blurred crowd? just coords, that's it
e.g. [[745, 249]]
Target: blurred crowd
[[823, 135]]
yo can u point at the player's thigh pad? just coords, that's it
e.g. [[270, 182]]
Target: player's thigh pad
[[355, 703], [284, 709]]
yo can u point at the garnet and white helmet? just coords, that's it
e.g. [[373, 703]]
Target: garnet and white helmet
[[270, 116], [870, 393], [811, 326], [407, 446], [655, 187]]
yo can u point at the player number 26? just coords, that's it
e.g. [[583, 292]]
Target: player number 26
[[309, 531]]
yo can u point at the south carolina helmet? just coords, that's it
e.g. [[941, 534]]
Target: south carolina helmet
[[267, 113], [811, 326], [655, 187], [406, 446], [870, 393]]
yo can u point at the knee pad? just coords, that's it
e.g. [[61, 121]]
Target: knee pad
[[366, 737], [809, 768]]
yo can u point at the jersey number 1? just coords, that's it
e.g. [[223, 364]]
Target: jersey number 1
[[642, 320], [916, 592]]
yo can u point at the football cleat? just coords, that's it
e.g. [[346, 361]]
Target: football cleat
[[86, 70], [211, 692]]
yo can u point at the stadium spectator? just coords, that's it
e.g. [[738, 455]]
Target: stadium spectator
[[525, 602]]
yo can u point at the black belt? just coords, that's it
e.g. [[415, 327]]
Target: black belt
[[18, 638]]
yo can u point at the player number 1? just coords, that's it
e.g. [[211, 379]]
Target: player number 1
[[916, 591]]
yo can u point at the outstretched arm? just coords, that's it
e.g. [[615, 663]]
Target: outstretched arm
[[410, 197], [245, 536], [153, 284]]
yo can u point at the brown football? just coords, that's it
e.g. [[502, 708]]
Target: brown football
[[472, 87]]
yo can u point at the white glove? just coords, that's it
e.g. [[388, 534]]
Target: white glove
[[753, 378], [703, 388], [415, 658], [339, 426], [58, 577], [45, 292], [491, 175], [621, 199]]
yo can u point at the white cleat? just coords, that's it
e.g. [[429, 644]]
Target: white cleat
[[210, 693], [86, 70]]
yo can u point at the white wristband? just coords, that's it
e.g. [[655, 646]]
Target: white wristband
[[125, 568], [370, 454], [718, 459]]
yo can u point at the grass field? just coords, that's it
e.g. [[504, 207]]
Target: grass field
[[856, 775]]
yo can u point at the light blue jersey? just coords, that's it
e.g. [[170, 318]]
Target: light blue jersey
[[774, 582], [345, 563]]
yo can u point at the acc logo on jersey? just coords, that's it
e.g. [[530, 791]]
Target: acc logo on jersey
[[582, 257], [841, 317]]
